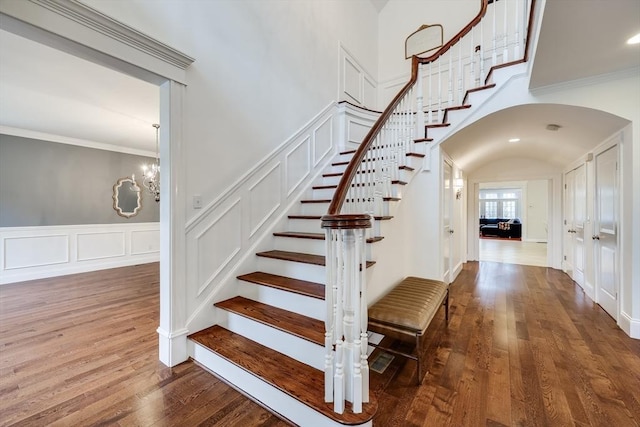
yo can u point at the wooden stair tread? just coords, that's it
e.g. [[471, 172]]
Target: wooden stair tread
[[292, 377], [299, 257], [420, 155], [315, 236], [297, 286], [459, 107], [437, 125], [300, 235], [397, 181], [316, 201], [479, 88], [287, 321], [405, 167], [419, 140]]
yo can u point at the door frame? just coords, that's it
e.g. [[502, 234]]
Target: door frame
[[84, 32]]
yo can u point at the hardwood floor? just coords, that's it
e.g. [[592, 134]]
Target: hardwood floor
[[82, 350], [524, 347], [513, 252]]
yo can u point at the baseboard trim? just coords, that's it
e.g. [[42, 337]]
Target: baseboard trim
[[629, 325]]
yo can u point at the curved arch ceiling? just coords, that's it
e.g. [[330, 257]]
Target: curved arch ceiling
[[487, 140]]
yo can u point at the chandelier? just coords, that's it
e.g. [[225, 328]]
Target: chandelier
[[151, 174]]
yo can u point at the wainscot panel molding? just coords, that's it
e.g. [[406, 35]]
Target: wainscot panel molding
[[28, 253], [356, 84], [298, 165], [355, 123], [222, 239]]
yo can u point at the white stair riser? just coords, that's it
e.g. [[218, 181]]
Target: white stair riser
[[334, 169], [293, 244], [297, 348], [314, 208], [271, 397], [308, 246], [331, 180], [325, 193], [305, 225], [301, 304], [295, 270]]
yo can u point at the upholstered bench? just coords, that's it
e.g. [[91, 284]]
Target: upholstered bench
[[406, 311]]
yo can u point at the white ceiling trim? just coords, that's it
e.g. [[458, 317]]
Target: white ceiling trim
[[31, 134]]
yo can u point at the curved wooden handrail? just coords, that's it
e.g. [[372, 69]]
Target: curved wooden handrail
[[345, 183]]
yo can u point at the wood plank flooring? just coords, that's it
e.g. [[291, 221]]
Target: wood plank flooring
[[82, 350], [524, 347]]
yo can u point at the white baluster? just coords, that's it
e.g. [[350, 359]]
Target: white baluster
[[420, 105], [430, 106], [516, 48], [505, 52], [472, 58], [460, 77], [439, 90], [494, 59], [364, 319], [451, 78], [354, 300], [330, 315], [338, 387]]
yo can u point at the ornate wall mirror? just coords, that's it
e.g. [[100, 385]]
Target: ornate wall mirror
[[126, 197]]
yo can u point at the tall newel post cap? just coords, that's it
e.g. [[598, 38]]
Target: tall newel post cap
[[346, 221]]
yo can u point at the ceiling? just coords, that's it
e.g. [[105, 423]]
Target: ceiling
[[48, 91], [73, 100]]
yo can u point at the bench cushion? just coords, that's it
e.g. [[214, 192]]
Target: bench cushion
[[411, 304]]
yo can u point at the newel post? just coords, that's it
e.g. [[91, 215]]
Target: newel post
[[346, 368]]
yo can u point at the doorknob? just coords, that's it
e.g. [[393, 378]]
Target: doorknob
[[450, 231], [596, 237]]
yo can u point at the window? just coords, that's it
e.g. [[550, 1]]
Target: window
[[500, 203]]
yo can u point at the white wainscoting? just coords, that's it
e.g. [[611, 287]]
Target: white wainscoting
[[28, 253], [356, 84], [355, 124], [221, 240]]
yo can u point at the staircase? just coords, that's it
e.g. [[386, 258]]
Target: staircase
[[272, 340], [269, 341]]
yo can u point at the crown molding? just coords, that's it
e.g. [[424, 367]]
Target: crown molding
[[49, 137], [97, 21]]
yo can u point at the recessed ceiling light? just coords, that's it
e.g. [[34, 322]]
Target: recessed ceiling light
[[634, 40], [514, 140], [553, 127]]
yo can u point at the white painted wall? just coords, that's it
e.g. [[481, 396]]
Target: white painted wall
[[263, 69], [399, 18], [536, 206]]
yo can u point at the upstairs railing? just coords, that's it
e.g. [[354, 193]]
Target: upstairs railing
[[495, 38]]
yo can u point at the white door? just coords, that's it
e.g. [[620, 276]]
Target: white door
[[606, 229], [568, 251], [579, 219], [446, 221]]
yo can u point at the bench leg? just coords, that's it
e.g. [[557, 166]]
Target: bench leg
[[446, 307], [418, 352]]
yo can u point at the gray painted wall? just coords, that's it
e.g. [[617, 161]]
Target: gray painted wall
[[47, 183]]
